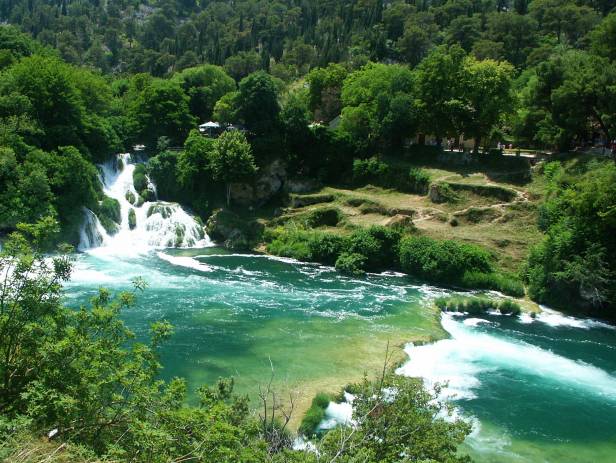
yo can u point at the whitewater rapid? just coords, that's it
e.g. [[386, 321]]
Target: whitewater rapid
[[459, 360], [159, 224]]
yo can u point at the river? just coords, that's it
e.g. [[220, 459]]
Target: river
[[539, 389]]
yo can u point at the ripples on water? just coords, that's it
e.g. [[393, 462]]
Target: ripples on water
[[540, 390]]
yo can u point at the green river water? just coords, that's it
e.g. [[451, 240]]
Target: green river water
[[536, 390]]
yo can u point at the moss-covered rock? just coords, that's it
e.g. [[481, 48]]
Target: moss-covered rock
[[130, 197], [164, 210], [132, 219], [234, 232], [140, 180], [109, 214]]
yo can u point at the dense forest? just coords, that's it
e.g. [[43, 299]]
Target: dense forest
[[327, 87], [82, 80]]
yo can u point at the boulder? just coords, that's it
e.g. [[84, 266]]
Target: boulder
[[268, 184], [399, 221], [308, 200], [230, 229]]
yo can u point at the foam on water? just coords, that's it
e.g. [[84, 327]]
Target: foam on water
[[183, 261], [159, 224], [557, 319], [469, 352]]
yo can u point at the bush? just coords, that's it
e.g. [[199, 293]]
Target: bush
[[140, 180], [325, 216], [369, 170], [111, 208], [507, 284], [351, 263], [379, 245], [132, 219], [288, 243], [325, 247], [476, 305], [419, 181], [314, 415], [442, 261], [508, 307]]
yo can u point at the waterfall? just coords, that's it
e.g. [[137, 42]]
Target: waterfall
[[156, 224], [92, 233]]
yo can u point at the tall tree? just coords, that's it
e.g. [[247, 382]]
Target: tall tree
[[232, 160]]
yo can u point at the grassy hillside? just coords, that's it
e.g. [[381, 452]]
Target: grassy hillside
[[485, 209]]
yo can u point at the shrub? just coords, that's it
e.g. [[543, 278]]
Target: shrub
[[419, 181], [369, 170], [325, 247], [442, 261], [132, 219], [289, 243], [140, 180], [163, 210], [314, 415], [110, 208], [378, 244], [325, 216], [351, 263], [475, 305], [507, 284], [442, 192], [508, 307]]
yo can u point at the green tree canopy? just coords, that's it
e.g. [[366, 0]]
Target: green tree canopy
[[204, 85], [231, 159], [258, 103]]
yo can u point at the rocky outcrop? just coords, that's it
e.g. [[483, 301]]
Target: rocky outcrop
[[268, 184], [400, 221], [233, 232], [309, 200]]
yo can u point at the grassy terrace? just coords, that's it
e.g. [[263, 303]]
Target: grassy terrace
[[480, 214]]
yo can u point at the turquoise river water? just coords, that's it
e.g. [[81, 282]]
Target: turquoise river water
[[536, 390]]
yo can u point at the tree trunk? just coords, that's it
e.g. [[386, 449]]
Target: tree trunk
[[228, 194], [477, 143]]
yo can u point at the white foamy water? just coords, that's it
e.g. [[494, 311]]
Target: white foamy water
[[159, 224], [92, 233], [469, 352], [557, 319]]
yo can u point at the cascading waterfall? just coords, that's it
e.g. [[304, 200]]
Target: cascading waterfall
[[157, 224], [92, 233]]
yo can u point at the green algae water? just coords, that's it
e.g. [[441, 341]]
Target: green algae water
[[241, 315], [536, 390]]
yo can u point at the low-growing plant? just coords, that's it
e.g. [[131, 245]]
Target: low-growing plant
[[109, 214], [378, 244], [325, 247], [324, 216], [475, 305], [351, 263], [369, 170], [506, 284], [443, 261], [130, 197], [419, 180], [315, 414]]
